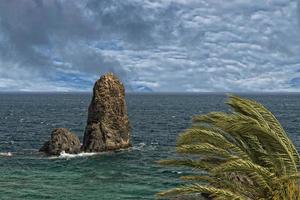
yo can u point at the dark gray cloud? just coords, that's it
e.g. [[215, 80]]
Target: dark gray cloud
[[46, 38], [166, 45]]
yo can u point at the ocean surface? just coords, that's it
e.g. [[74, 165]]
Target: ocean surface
[[26, 121]]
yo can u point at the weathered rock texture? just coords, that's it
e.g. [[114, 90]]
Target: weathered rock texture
[[61, 140], [108, 127]]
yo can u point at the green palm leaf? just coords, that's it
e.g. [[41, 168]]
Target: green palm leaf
[[244, 154]]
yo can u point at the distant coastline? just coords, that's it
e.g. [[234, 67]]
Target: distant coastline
[[154, 93]]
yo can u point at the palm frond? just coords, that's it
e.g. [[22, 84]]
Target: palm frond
[[244, 154], [197, 189]]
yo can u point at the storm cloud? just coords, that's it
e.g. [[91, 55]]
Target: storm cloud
[[164, 45]]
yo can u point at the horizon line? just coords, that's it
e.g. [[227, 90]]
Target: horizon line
[[156, 92]]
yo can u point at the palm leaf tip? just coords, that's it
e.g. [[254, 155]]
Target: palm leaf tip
[[197, 190]]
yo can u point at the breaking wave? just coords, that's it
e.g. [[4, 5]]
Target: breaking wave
[[6, 154], [63, 154]]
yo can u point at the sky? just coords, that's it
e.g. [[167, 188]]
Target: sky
[[152, 45]]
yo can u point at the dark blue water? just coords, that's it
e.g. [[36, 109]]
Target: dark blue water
[[26, 121]]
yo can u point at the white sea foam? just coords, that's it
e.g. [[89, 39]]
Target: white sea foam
[[63, 154], [176, 172], [140, 146], [7, 154]]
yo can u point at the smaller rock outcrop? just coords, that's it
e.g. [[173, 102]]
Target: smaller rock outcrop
[[62, 140]]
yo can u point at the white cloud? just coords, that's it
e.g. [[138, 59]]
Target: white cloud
[[167, 45]]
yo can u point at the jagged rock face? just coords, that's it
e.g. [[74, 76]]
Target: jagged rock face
[[108, 127], [61, 140]]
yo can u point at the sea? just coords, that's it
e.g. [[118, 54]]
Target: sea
[[27, 119]]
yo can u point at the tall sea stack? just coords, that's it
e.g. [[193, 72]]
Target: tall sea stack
[[108, 126]]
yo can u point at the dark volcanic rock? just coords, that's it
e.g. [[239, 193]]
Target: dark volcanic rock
[[61, 140], [108, 127]]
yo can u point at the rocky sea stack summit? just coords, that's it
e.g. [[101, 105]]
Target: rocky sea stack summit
[[107, 128]]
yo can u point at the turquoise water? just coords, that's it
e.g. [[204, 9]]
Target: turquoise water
[[26, 121]]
